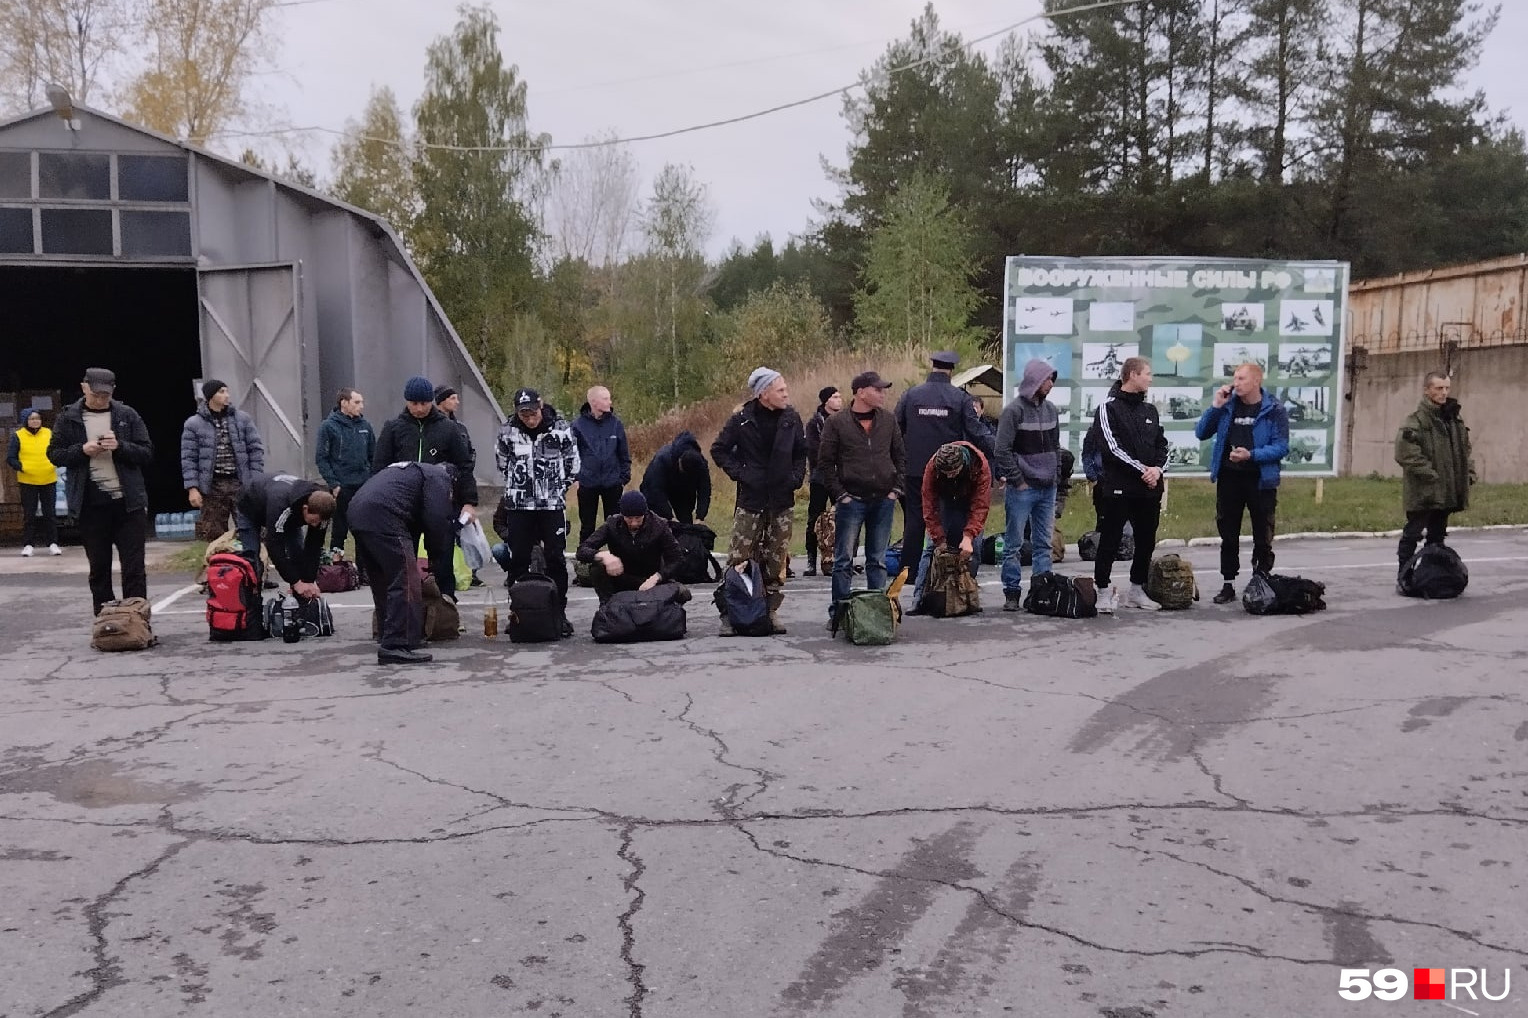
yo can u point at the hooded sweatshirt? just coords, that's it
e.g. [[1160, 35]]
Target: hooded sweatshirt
[[1029, 432]]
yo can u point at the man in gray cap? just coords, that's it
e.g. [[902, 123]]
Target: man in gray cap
[[930, 415], [763, 448]]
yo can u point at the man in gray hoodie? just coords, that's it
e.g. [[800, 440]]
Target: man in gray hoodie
[[1028, 445]]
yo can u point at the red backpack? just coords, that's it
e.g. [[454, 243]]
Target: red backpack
[[233, 599]]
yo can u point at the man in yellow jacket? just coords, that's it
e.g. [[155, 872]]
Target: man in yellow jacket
[[38, 479]]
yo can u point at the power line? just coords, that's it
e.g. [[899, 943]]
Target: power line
[[709, 125]]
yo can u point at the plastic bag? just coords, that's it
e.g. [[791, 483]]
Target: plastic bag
[[475, 547], [1260, 598]]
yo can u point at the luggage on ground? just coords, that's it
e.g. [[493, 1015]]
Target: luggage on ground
[[825, 532], [741, 600], [313, 618], [868, 617], [1087, 545], [697, 564], [122, 625], [1273, 594], [950, 590], [642, 616], [339, 577], [1436, 572], [535, 608], [442, 619], [893, 558], [1171, 582], [1062, 597], [233, 599]]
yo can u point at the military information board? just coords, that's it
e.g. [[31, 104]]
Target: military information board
[[1195, 319]]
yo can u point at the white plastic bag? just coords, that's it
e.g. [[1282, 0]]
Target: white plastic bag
[[475, 547]]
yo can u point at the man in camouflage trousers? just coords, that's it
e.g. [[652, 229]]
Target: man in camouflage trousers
[[763, 448]]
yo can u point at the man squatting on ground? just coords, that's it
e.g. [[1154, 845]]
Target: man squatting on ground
[[632, 550], [1433, 450], [1251, 430], [763, 448], [956, 498], [1127, 434], [863, 464]]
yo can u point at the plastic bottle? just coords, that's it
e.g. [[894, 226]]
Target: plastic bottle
[[291, 625], [491, 622]]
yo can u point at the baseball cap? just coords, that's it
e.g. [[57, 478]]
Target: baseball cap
[[100, 379], [526, 398], [868, 380]]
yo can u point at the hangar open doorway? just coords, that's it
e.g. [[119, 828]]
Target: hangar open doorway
[[142, 323]]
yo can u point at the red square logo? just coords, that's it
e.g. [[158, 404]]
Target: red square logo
[[1428, 984]]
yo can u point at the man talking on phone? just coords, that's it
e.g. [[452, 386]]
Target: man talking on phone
[[1251, 431], [105, 446]]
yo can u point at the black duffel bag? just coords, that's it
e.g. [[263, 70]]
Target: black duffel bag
[[696, 564], [641, 616], [1436, 573]]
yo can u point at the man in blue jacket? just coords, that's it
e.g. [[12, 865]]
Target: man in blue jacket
[[1251, 430], [604, 461], [346, 442]]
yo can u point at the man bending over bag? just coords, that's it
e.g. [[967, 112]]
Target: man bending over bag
[[388, 515], [292, 517], [635, 550]]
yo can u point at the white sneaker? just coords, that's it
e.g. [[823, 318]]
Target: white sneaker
[[26, 552], [1108, 600], [54, 549], [1136, 598]]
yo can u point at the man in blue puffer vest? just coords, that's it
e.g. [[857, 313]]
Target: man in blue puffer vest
[[1251, 430], [604, 461]]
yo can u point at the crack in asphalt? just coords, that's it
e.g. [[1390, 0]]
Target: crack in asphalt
[[635, 970], [986, 901], [106, 973], [1328, 910], [726, 806]]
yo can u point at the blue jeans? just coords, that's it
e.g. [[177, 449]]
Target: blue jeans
[[874, 516], [953, 515], [1037, 507]]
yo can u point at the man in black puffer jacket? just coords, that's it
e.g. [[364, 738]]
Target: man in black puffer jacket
[[633, 550], [677, 482], [763, 448], [422, 434], [1127, 433], [291, 516]]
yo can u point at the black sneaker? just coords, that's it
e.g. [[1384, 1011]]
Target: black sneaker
[[402, 656], [1013, 600], [790, 574], [810, 571], [1226, 596], [567, 628]]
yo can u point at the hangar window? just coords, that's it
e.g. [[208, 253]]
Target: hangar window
[[152, 178], [15, 231], [155, 234], [15, 176], [80, 175], [76, 231]]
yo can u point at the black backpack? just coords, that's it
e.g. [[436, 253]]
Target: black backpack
[[1436, 573], [640, 616], [745, 609], [535, 608], [1273, 594], [1062, 597], [696, 564], [1087, 545]]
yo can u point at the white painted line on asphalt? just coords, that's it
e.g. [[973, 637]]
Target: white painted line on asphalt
[[182, 592]]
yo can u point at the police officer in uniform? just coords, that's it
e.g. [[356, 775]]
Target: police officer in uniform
[[931, 415]]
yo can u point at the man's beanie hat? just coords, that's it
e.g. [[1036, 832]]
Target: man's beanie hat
[[418, 390]]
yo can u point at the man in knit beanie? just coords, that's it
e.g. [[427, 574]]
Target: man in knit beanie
[[763, 448], [423, 434], [220, 450]]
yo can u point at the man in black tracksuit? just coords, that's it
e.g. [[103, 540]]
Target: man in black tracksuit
[[292, 517], [423, 434], [388, 516], [1127, 433], [931, 415], [632, 550]]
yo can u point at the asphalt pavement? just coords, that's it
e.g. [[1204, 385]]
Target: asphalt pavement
[[1195, 813]]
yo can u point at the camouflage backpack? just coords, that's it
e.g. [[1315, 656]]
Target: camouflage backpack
[[825, 532], [1171, 582]]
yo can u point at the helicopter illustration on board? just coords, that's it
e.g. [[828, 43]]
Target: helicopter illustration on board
[[1108, 366]]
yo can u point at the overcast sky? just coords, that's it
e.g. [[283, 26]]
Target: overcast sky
[[643, 67]]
